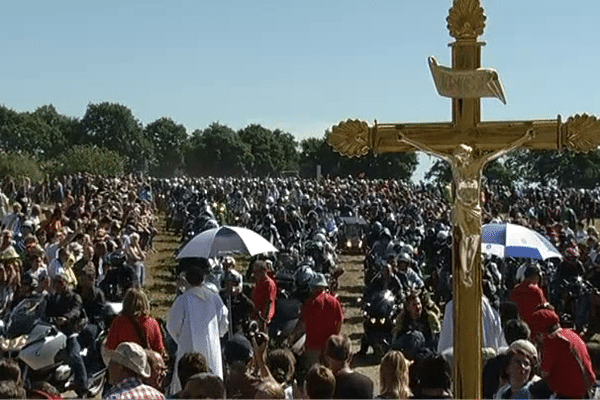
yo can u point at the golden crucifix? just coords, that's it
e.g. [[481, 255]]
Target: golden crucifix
[[467, 144]]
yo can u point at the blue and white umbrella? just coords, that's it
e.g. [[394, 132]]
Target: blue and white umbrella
[[510, 240]]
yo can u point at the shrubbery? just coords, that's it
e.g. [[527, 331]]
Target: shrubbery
[[87, 159], [16, 166], [84, 159]]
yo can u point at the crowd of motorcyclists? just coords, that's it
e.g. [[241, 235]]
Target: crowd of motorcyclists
[[70, 250], [73, 248]]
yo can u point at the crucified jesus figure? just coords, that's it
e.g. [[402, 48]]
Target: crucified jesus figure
[[467, 165]]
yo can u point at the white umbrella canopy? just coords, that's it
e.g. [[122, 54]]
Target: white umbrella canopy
[[511, 240], [225, 240]]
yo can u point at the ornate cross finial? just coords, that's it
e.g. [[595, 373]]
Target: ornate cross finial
[[466, 19], [582, 133]]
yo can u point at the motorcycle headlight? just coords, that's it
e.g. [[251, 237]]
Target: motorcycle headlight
[[373, 320], [348, 244]]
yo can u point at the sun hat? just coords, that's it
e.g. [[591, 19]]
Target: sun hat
[[9, 254], [524, 346], [132, 356]]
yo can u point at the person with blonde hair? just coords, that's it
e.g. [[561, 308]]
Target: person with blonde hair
[[136, 257], [134, 324], [393, 376], [519, 370], [270, 389]]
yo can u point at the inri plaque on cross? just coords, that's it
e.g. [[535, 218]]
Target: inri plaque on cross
[[467, 144]]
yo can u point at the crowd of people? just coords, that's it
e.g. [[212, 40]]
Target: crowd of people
[[83, 258], [55, 246]]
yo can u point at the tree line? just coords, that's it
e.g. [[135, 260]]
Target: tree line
[[110, 140]]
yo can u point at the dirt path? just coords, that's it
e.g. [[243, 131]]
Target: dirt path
[[160, 287], [160, 281], [349, 292]]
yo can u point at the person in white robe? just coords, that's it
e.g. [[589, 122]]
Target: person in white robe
[[196, 321], [493, 334]]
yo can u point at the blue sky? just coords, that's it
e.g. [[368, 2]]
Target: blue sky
[[301, 66]]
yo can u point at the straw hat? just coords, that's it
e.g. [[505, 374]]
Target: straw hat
[[132, 356], [9, 254]]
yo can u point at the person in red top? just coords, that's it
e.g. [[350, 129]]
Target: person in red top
[[566, 364], [528, 295], [264, 294], [134, 324], [320, 317]]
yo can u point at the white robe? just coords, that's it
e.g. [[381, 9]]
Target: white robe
[[196, 321], [492, 335]]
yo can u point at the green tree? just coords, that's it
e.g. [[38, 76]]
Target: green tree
[[261, 143], [272, 151], [285, 151], [439, 172], [62, 130], [168, 141], [9, 119], [87, 159], [114, 127], [30, 133], [317, 152], [565, 168], [18, 165], [217, 151], [497, 172]]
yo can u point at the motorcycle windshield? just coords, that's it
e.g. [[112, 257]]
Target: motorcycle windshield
[[39, 332], [23, 317]]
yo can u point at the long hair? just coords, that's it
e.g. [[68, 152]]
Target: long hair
[[135, 303], [281, 364], [393, 375]]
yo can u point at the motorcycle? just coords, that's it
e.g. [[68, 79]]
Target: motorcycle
[[293, 289], [287, 313], [41, 350], [351, 235], [119, 277], [380, 312], [576, 302]]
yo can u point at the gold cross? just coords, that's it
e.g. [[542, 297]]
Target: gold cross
[[468, 144]]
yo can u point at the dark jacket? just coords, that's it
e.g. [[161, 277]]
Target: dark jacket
[[67, 305]]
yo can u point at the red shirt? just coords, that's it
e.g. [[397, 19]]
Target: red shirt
[[527, 296], [122, 330], [322, 315], [264, 291], [565, 376]]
